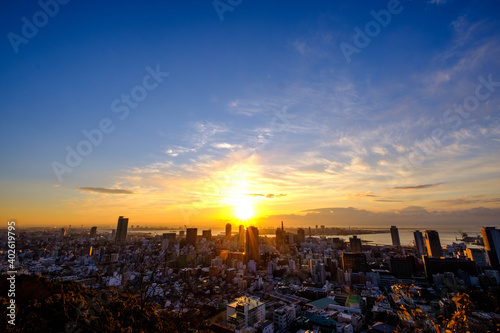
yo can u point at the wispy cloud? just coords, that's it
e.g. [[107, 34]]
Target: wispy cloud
[[387, 200], [302, 47], [252, 107], [224, 145], [468, 200], [268, 196], [437, 2], [416, 187], [104, 190], [361, 195], [178, 150]]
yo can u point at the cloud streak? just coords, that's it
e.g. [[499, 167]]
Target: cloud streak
[[416, 187], [268, 196], [104, 190]]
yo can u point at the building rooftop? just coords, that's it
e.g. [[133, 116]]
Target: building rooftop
[[323, 303], [252, 302], [322, 321], [381, 327]]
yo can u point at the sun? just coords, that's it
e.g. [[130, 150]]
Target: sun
[[243, 207]]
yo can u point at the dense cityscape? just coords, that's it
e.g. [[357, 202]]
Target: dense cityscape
[[230, 166], [294, 281]]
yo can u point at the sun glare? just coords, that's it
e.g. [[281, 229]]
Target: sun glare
[[243, 207]]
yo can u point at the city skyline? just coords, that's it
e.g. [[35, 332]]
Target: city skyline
[[366, 114]]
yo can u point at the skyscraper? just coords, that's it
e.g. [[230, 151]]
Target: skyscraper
[[434, 249], [491, 238], [241, 237], [171, 237], [252, 251], [228, 231], [355, 243], [121, 230], [419, 243], [395, 236], [93, 232], [191, 235], [301, 235], [207, 234], [477, 255], [280, 237]]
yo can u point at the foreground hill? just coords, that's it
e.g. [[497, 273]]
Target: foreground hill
[[52, 306]]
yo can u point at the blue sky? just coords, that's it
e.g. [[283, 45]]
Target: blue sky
[[261, 108]]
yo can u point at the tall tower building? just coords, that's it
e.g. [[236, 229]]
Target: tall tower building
[[228, 231], [419, 243], [477, 255], [191, 235], [207, 234], [491, 238], [252, 251], [434, 249], [355, 243], [395, 236], [301, 235], [93, 232], [121, 230], [280, 238], [241, 237]]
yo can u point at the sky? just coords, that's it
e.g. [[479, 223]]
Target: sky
[[198, 113]]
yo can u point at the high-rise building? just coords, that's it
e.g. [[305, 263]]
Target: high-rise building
[[301, 235], [191, 235], [283, 317], [454, 265], [170, 236], [252, 251], [121, 230], [280, 238], [207, 234], [228, 231], [355, 243], [63, 232], [419, 243], [403, 267], [241, 237], [477, 255], [354, 261], [93, 232], [244, 312], [395, 236], [434, 249], [491, 238]]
